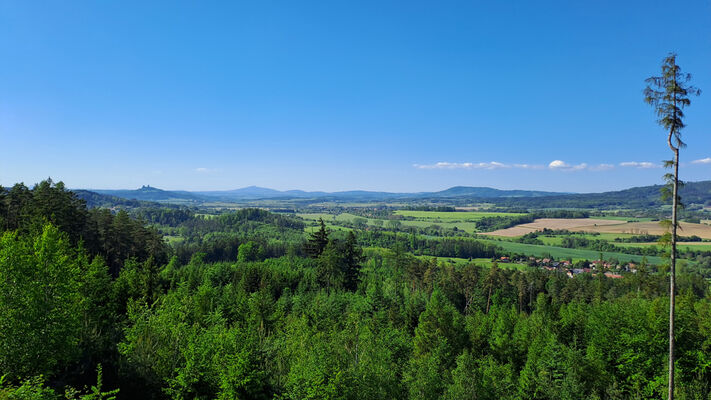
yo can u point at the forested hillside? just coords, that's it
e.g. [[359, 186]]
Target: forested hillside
[[246, 305]]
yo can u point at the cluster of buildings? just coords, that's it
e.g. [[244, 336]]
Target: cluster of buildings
[[592, 267]]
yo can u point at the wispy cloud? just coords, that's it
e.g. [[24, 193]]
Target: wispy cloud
[[706, 160], [492, 165], [639, 164], [467, 165], [602, 167], [477, 165], [564, 166]]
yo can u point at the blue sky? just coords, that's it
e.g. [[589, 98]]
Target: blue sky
[[332, 95]]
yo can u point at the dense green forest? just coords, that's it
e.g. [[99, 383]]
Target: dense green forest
[[94, 303]]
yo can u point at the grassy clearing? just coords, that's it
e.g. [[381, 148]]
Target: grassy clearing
[[173, 239]]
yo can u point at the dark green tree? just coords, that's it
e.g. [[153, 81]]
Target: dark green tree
[[317, 240], [669, 94], [352, 257]]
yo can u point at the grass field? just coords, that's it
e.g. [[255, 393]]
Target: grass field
[[462, 220], [452, 216], [695, 246], [484, 262], [465, 221]]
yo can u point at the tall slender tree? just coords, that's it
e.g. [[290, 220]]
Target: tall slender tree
[[669, 94]]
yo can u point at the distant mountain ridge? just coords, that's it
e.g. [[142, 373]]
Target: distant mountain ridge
[[637, 197], [149, 193]]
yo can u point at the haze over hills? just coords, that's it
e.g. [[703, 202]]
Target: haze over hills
[[148, 193], [636, 197]]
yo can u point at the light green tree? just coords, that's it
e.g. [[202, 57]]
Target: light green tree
[[40, 300]]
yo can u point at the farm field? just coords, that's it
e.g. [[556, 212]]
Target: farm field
[[624, 219], [578, 224], [465, 221], [612, 227], [652, 228], [462, 220], [452, 216], [682, 246]]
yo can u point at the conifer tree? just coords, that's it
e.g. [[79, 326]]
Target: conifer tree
[[669, 94], [353, 256], [318, 240]]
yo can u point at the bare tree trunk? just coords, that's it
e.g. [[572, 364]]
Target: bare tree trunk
[[672, 274]]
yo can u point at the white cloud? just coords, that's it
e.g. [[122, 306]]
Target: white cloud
[[638, 164], [558, 164], [564, 166], [478, 165], [706, 160]]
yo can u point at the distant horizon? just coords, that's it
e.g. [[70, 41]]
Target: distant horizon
[[362, 190], [307, 188]]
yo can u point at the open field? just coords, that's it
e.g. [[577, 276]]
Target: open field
[[603, 226], [465, 221], [462, 220], [652, 228], [444, 216], [576, 224], [624, 219], [682, 246]]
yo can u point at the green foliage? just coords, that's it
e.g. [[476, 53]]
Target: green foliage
[[30, 389], [113, 237], [249, 251], [40, 302]]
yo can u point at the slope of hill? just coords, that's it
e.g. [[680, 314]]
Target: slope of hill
[[148, 193], [637, 197], [487, 192]]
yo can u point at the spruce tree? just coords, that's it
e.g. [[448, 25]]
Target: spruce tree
[[317, 241]]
